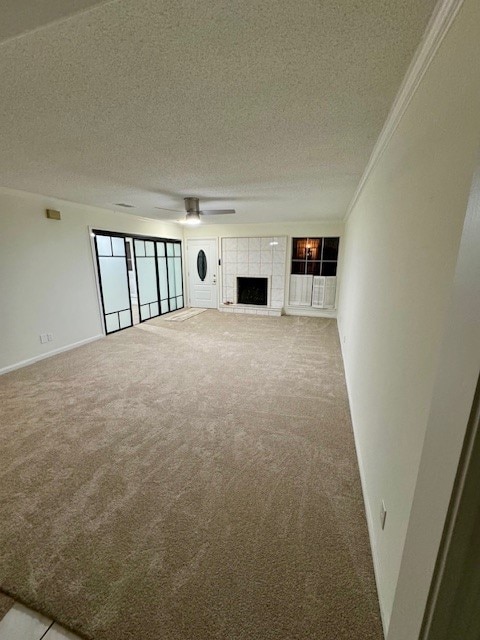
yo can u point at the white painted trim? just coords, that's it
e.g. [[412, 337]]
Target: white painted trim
[[311, 312], [437, 28], [43, 356], [368, 510]]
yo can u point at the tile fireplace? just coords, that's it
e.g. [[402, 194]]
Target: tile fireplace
[[253, 275]]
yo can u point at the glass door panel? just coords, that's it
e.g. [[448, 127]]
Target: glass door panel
[[114, 287], [147, 284], [174, 275]]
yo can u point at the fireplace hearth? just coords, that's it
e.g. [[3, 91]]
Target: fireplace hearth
[[252, 291]]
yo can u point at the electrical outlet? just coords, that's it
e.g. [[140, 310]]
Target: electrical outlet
[[50, 337], [383, 515], [43, 338]]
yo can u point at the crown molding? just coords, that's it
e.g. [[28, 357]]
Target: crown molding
[[437, 28]]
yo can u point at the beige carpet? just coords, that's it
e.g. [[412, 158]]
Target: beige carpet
[[181, 316], [196, 481]]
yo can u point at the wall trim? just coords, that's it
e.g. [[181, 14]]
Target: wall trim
[[49, 354], [437, 28], [368, 510]]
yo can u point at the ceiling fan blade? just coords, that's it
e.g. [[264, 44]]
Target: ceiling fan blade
[[216, 212], [174, 210]]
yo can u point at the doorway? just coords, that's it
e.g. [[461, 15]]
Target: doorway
[[202, 272]]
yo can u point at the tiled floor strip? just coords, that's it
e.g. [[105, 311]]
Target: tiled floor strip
[[21, 623]]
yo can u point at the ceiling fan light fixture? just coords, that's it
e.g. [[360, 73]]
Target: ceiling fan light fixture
[[192, 218]]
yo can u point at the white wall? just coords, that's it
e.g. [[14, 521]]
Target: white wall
[[291, 229], [47, 282], [402, 240], [454, 388]]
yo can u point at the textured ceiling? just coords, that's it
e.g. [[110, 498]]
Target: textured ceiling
[[17, 17], [270, 106]]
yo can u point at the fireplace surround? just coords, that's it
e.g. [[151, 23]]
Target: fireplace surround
[[255, 258]]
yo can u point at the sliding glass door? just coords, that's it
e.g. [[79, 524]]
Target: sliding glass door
[[159, 277], [113, 279]]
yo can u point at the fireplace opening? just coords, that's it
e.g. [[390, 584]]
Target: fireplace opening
[[252, 291]]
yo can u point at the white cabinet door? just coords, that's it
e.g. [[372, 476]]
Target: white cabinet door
[[301, 291], [318, 295], [324, 289], [330, 292]]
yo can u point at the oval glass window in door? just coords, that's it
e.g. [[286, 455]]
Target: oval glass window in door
[[202, 265]]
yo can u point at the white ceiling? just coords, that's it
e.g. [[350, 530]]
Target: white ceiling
[[270, 106], [17, 17]]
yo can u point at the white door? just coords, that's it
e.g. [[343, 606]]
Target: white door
[[202, 272]]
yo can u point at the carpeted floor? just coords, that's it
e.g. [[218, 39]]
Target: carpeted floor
[[181, 316], [188, 481]]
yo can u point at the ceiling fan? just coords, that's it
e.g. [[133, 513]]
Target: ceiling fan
[[193, 212]]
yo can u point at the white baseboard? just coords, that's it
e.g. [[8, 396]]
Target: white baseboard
[[310, 312], [366, 502], [49, 354]]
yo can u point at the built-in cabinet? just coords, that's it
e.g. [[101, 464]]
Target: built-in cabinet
[[313, 273]]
